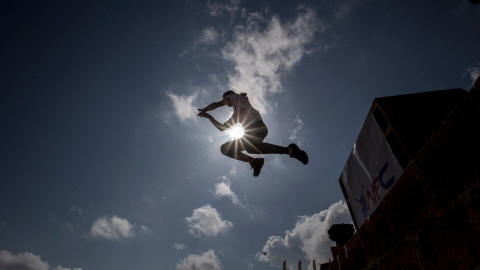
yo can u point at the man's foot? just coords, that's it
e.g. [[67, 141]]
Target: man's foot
[[298, 154], [257, 164]]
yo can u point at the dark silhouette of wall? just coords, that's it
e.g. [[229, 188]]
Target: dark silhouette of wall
[[431, 217]]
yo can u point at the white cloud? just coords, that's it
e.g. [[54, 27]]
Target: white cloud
[[63, 268], [204, 261], [474, 73], [144, 229], [25, 261], [179, 246], [223, 189], [113, 228], [209, 36], [299, 126], [76, 209], [262, 55], [216, 9], [183, 106], [21, 261], [206, 221], [308, 239]]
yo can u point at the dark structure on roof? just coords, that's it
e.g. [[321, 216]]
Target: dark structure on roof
[[430, 218], [409, 120]]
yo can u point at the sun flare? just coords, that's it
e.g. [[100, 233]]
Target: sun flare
[[235, 132]]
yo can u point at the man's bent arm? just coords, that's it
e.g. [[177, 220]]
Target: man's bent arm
[[217, 124]]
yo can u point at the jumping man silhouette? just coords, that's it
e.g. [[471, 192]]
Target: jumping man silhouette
[[255, 132]]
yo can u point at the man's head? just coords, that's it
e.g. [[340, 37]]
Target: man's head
[[226, 100]]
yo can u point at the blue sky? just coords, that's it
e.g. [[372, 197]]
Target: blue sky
[[105, 165]]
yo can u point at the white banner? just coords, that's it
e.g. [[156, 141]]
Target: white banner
[[370, 172]]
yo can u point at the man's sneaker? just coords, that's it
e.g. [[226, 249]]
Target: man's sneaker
[[298, 154], [257, 164]]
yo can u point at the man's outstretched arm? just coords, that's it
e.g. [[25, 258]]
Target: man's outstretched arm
[[217, 124], [213, 106]]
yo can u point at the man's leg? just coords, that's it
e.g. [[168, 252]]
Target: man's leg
[[234, 150], [259, 148], [254, 144]]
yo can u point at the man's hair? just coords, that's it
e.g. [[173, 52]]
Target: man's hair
[[231, 92]]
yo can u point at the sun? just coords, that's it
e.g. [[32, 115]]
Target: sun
[[235, 132]]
